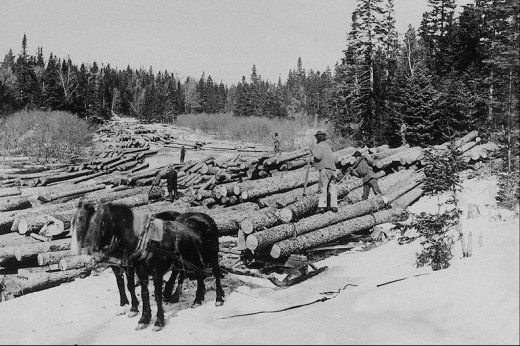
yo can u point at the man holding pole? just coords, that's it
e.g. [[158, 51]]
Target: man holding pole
[[325, 163], [362, 169]]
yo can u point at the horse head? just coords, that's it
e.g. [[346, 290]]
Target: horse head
[[80, 226], [102, 232]]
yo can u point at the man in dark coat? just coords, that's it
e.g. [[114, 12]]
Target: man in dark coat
[[156, 191], [183, 154], [362, 169], [276, 141]]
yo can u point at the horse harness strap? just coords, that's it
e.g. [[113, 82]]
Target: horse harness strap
[[150, 241]]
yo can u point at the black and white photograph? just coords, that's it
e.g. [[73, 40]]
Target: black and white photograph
[[259, 172]]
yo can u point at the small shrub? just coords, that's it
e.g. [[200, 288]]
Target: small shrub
[[442, 169], [45, 135], [434, 230]]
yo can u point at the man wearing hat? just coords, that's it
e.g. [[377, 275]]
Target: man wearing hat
[[362, 169], [325, 163]]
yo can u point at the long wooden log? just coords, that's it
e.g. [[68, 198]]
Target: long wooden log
[[268, 186], [119, 162], [347, 210], [32, 250], [64, 176], [20, 285], [33, 223], [411, 155], [309, 204], [479, 152], [465, 139], [54, 257], [333, 232], [280, 200], [10, 191], [266, 217], [76, 262], [388, 152], [408, 198], [88, 177], [139, 167], [467, 146], [54, 195], [15, 239], [15, 203]]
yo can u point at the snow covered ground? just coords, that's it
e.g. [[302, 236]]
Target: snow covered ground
[[475, 301]]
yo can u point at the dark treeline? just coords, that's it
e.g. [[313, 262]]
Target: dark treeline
[[453, 73], [96, 92]]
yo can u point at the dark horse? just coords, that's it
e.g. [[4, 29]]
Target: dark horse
[[189, 245], [80, 228]]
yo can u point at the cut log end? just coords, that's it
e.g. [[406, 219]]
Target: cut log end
[[23, 226], [18, 254], [286, 214], [275, 251], [252, 242], [247, 226]]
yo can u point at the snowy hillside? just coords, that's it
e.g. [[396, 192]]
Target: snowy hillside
[[476, 300]]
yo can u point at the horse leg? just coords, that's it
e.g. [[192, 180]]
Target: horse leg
[[158, 282], [199, 295], [178, 290], [218, 287], [146, 315], [123, 300], [130, 282], [168, 288]]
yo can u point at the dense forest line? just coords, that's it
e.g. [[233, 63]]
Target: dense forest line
[[453, 73]]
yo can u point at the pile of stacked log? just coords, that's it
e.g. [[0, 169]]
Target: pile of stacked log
[[259, 199]]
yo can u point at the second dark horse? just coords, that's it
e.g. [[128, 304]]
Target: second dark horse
[[189, 245]]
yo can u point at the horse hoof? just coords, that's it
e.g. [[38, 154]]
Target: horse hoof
[[157, 328], [131, 314], [141, 326], [121, 311], [219, 303]]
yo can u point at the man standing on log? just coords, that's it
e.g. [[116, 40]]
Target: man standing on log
[[324, 162], [183, 154], [362, 169], [156, 191]]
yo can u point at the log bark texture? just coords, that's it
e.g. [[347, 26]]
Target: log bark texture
[[47, 258], [289, 181], [32, 250], [14, 203], [21, 284], [309, 204], [76, 262], [333, 232]]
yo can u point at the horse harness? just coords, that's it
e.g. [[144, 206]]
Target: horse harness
[[150, 243]]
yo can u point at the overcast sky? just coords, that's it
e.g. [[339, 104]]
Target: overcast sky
[[224, 38]]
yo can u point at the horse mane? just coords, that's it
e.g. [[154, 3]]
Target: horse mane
[[80, 223]]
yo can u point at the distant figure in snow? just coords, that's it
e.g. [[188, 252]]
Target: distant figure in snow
[[183, 154], [276, 141]]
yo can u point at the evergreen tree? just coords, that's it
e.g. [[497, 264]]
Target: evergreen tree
[[27, 82]]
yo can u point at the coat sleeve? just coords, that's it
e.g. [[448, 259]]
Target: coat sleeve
[[317, 151]]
